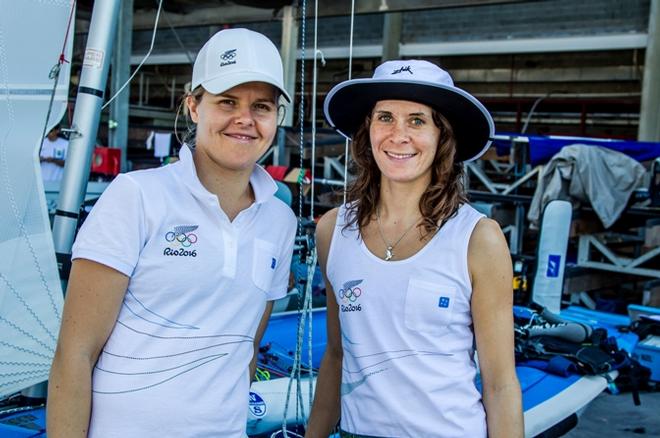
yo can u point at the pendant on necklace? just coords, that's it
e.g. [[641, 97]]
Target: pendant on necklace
[[388, 254]]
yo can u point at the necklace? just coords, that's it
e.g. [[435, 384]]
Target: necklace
[[389, 248]]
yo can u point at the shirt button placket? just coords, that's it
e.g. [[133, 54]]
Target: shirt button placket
[[231, 251]]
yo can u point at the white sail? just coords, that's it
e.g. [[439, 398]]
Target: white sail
[[32, 35]]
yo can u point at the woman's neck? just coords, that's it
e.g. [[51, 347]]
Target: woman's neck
[[232, 187], [399, 200]]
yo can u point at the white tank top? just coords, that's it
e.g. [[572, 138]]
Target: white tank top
[[408, 368]]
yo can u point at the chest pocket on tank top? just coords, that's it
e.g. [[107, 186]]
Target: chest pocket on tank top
[[264, 262], [429, 307]]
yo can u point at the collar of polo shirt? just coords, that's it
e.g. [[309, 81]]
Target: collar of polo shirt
[[263, 185]]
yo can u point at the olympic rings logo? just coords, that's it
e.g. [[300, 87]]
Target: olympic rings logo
[[183, 234], [350, 294], [228, 55]]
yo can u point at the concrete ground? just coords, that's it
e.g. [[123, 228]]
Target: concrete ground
[[616, 416]]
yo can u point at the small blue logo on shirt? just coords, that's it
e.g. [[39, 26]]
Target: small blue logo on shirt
[[273, 263], [257, 405], [553, 265], [444, 302]]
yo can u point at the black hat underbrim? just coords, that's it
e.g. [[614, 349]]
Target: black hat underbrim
[[348, 103]]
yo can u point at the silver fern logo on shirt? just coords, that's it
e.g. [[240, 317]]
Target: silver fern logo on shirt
[[180, 239], [349, 295]]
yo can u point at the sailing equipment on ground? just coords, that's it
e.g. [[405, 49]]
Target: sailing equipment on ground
[[559, 346], [638, 335], [541, 335]]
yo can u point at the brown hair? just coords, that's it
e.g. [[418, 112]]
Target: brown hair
[[190, 134], [438, 203]]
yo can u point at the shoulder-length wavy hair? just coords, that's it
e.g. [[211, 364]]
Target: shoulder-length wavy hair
[[439, 202]]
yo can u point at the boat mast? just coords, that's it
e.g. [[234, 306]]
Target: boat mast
[[84, 129]]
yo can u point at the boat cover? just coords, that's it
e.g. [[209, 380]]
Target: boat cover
[[579, 173]]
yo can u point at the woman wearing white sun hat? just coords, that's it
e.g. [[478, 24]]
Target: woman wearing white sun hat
[[176, 268], [415, 276]]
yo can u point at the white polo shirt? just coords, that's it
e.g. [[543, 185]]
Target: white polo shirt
[[176, 362]]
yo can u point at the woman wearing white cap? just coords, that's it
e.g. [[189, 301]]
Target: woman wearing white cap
[[176, 268], [414, 274]]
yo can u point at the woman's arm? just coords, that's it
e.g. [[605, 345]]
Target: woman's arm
[[94, 297], [326, 408], [489, 262]]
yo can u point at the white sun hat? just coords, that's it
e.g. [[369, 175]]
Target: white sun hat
[[349, 102], [235, 56]]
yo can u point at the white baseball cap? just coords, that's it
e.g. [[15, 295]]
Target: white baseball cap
[[349, 102], [235, 56]]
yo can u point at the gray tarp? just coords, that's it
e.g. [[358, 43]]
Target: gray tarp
[[580, 173]]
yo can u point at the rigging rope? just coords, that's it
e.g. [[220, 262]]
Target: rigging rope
[[311, 260], [301, 116], [311, 264], [55, 73], [295, 369], [350, 73], [151, 47], [314, 80], [305, 310], [300, 409]]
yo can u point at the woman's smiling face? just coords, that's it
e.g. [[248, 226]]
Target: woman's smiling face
[[235, 128], [404, 140]]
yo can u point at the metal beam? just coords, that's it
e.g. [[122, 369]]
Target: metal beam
[[204, 16], [489, 47], [649, 125], [288, 51], [93, 79], [392, 25], [484, 47], [342, 7], [614, 262], [529, 45], [121, 70], [210, 13]]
